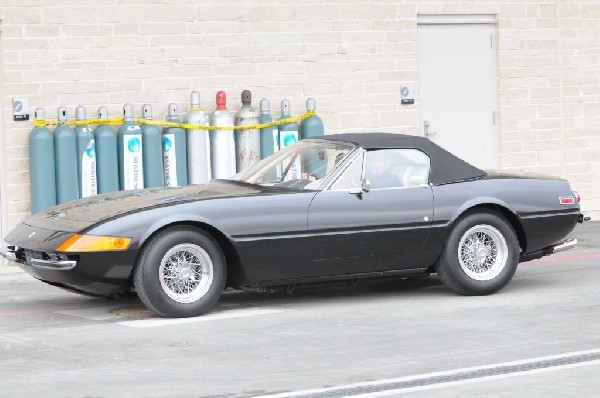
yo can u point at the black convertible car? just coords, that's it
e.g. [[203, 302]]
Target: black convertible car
[[345, 206]]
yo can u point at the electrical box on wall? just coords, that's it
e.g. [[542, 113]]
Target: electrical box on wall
[[408, 97], [20, 109]]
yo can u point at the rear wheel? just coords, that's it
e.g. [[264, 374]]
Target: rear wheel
[[180, 273], [480, 256]]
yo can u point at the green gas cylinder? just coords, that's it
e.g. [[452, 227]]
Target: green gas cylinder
[[174, 151], [152, 152], [269, 136], [42, 173], [129, 142], [314, 164], [86, 156], [65, 156], [107, 162]]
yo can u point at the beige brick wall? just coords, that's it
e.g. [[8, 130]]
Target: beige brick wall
[[350, 55]]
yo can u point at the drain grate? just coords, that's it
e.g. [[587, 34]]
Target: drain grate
[[134, 312]]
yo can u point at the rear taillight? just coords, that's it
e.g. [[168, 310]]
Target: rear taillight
[[577, 196], [566, 200]]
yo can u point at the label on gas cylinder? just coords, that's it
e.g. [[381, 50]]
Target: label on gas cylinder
[[275, 139], [170, 160], [291, 171], [89, 186], [133, 168]]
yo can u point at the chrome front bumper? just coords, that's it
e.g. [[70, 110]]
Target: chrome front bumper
[[10, 254]]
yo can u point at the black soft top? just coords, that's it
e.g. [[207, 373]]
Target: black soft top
[[445, 167]]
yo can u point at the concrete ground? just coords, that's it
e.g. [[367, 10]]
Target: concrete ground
[[379, 338]]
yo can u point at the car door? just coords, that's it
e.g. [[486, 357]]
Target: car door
[[362, 232]]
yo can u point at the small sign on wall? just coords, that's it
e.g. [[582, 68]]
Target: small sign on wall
[[20, 109], [408, 97]]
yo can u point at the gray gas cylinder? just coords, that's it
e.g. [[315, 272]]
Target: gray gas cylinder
[[174, 151], [130, 144], [222, 141], [86, 156], [247, 142], [288, 135], [198, 143], [65, 156], [269, 136], [42, 174], [107, 161], [152, 152]]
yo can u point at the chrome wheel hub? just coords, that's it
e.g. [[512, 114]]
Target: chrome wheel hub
[[186, 273], [482, 252]]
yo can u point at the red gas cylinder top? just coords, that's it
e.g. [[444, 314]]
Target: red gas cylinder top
[[221, 100]]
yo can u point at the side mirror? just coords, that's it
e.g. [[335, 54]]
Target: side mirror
[[365, 186]]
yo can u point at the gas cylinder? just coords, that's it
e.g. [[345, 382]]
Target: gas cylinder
[[247, 142], [313, 163], [174, 151], [107, 162], [86, 156], [152, 152], [312, 126], [222, 141], [130, 144], [288, 135], [42, 173], [269, 136], [65, 156], [198, 143]]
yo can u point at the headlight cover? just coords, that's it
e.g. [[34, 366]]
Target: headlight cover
[[93, 243]]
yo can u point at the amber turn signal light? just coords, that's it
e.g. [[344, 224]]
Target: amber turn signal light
[[93, 243]]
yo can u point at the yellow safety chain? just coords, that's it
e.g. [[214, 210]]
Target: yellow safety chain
[[120, 120]]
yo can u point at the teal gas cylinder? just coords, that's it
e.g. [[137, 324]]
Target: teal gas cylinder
[[152, 152], [86, 156], [107, 161], [129, 142], [312, 126], [313, 164], [174, 151], [247, 142], [288, 135], [42, 174], [65, 156], [269, 136]]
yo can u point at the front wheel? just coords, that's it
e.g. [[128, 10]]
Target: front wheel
[[180, 273], [480, 256]]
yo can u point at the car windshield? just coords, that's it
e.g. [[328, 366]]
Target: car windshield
[[303, 165]]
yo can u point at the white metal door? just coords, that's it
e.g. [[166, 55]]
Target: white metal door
[[457, 89]]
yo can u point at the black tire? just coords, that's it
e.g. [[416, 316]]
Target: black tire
[[159, 279], [458, 265]]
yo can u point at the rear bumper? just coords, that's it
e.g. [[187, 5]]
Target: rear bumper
[[102, 274], [563, 245]]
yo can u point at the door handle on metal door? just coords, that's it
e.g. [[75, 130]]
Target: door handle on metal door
[[426, 125]]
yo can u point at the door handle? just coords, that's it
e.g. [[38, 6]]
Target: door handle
[[426, 126]]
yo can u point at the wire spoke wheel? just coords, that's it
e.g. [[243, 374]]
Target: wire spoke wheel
[[186, 273], [482, 252]]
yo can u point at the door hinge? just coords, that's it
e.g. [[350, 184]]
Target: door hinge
[[492, 42], [494, 118]]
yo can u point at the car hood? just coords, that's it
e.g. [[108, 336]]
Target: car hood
[[78, 214]]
